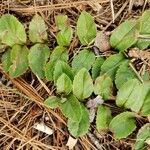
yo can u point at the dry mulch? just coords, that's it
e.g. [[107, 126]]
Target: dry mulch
[[21, 99]]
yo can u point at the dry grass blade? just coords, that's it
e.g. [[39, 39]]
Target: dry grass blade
[[21, 103], [117, 15], [35, 97], [30, 10], [112, 10]]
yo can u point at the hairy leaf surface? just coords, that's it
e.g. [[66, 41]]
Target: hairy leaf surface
[[103, 86], [78, 129], [37, 30], [60, 68], [82, 84], [64, 36], [125, 91], [145, 110], [103, 118], [64, 84], [86, 28], [52, 102], [123, 125], [19, 59], [61, 21], [59, 53], [85, 59], [125, 35], [71, 108], [123, 74], [6, 60], [38, 58], [96, 67], [11, 31], [143, 134], [111, 65]]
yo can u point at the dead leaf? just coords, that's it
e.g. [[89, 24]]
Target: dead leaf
[[93, 103], [102, 42]]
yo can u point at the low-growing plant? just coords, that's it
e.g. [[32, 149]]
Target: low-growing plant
[[87, 75]]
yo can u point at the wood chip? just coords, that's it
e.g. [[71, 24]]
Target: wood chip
[[71, 142]]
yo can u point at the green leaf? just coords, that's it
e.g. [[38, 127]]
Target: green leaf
[[59, 53], [123, 125], [60, 68], [145, 110], [71, 108], [84, 59], [125, 35], [61, 21], [96, 68], [86, 28], [49, 70], [64, 36], [82, 84], [37, 30], [78, 129], [142, 136], [144, 30], [111, 65], [103, 86], [11, 31], [124, 73], [135, 102], [146, 75], [64, 84], [52, 102], [19, 59], [142, 43], [6, 60], [125, 91], [38, 57], [144, 22], [103, 118]]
